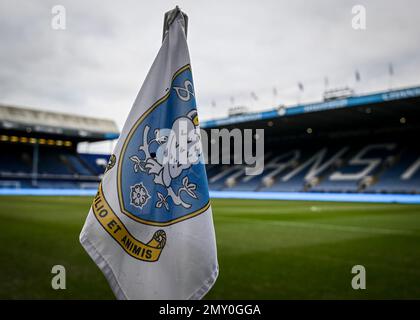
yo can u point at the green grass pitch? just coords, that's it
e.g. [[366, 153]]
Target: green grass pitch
[[267, 249]]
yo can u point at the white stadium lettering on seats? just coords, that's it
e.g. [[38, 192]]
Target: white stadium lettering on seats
[[369, 163], [317, 165], [411, 170]]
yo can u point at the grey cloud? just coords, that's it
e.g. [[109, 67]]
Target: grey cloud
[[96, 66]]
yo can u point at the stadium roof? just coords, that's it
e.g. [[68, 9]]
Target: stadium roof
[[32, 121], [385, 114], [350, 102]]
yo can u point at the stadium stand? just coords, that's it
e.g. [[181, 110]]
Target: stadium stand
[[39, 149], [351, 145], [377, 168], [357, 144]]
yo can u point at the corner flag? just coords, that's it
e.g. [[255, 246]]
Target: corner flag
[[150, 228]]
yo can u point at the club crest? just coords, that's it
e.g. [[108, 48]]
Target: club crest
[[161, 175]]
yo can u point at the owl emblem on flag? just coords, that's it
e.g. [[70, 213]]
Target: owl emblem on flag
[[161, 169]]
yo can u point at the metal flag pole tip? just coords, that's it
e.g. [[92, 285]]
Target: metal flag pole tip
[[169, 18]]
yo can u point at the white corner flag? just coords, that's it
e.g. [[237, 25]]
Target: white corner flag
[[150, 228]]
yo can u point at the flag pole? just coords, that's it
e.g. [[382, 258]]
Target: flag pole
[[170, 17]]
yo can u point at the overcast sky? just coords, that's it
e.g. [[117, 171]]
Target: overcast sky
[[96, 66]]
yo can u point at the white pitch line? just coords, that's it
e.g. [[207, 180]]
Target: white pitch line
[[333, 227], [307, 209]]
